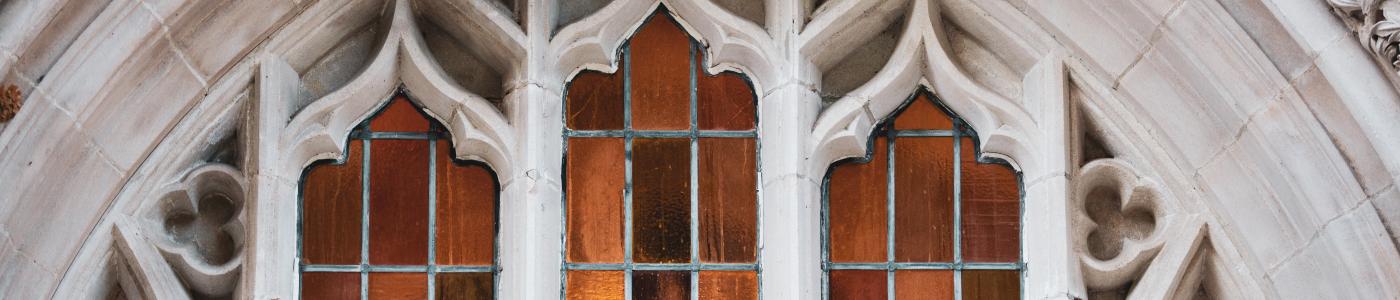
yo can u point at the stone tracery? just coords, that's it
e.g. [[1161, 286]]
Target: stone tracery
[[1020, 130]]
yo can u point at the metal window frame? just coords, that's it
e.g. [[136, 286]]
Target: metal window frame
[[886, 128], [694, 133], [363, 134]]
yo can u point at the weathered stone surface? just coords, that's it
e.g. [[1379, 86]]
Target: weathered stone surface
[[1265, 123]]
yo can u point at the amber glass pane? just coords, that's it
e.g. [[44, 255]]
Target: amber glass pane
[[331, 210], [660, 76], [991, 284], [725, 101], [660, 285], [330, 286], [398, 285], [923, 285], [464, 286], [466, 211], [923, 199], [991, 210], [595, 101], [856, 208], [728, 285], [595, 285], [398, 202], [400, 115], [858, 285], [596, 170], [922, 114], [727, 200], [661, 200], [597, 174]]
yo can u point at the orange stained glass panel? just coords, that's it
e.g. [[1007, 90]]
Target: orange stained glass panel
[[991, 284], [660, 66], [728, 187], [465, 286], [330, 285], [466, 211], [596, 181], [399, 115], [923, 285], [923, 115], [727, 285], [856, 207], [595, 102], [398, 285], [398, 202], [923, 199], [991, 210], [331, 199], [661, 200], [725, 101], [660, 285], [858, 285], [596, 285]]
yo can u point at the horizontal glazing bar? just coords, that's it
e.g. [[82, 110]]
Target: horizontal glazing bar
[[664, 267], [397, 135], [463, 269], [330, 268], [923, 133], [662, 133], [359, 268], [595, 266], [992, 266], [923, 266]]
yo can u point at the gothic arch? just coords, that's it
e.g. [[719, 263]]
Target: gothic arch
[[731, 42], [132, 98]]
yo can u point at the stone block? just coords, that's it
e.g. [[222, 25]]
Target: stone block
[[1344, 131], [1351, 259], [217, 33], [1110, 33], [141, 104], [83, 73], [1248, 209]]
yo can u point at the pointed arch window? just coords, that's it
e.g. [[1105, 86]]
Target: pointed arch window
[[661, 176], [920, 217], [398, 217]]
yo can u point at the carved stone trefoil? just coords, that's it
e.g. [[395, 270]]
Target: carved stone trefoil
[[197, 226]]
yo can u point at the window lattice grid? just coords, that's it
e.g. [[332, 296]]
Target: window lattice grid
[[943, 264], [631, 117], [398, 176]]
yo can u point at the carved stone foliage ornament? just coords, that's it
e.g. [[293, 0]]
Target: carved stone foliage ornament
[[1377, 25], [196, 229]]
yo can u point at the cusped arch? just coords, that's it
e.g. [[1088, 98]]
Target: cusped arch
[[921, 60], [731, 42], [479, 131]]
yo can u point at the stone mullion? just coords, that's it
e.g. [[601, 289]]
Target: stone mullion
[[790, 247], [531, 210]]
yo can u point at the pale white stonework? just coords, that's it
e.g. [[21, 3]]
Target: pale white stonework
[[1261, 136]]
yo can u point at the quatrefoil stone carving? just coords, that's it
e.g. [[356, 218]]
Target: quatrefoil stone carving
[[1116, 216], [199, 229]]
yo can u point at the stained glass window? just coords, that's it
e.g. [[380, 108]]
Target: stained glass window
[[661, 176], [399, 217], [920, 217]]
